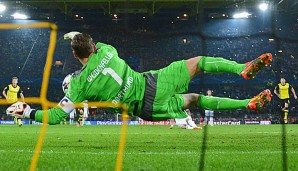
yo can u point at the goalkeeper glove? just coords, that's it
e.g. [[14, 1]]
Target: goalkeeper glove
[[71, 35], [19, 110]]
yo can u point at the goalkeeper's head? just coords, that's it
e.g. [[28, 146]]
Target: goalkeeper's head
[[82, 45]]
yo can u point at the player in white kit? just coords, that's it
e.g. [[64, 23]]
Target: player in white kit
[[71, 116], [209, 114], [86, 111], [185, 123]]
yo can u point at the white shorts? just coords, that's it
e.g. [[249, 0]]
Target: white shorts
[[209, 113]]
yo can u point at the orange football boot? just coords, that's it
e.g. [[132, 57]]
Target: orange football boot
[[254, 66], [197, 128], [260, 100]]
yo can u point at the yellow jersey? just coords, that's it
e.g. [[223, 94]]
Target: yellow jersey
[[283, 90], [12, 93]]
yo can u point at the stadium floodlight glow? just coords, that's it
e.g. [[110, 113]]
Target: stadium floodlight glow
[[241, 15], [19, 16], [263, 6], [2, 7]]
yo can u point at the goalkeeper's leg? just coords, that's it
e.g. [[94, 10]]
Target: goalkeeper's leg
[[218, 103], [220, 65]]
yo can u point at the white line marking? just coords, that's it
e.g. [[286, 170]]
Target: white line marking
[[98, 133], [147, 153], [269, 132]]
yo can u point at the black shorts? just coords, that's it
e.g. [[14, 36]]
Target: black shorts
[[283, 101]]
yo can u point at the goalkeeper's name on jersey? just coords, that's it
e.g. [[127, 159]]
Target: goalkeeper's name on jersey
[[100, 67], [121, 94]]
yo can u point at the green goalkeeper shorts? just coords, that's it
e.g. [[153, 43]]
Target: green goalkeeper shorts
[[162, 100]]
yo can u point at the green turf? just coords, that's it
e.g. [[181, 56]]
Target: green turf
[[244, 147]]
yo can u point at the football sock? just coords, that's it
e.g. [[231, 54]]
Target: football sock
[[206, 120], [218, 103], [218, 65], [286, 116], [211, 120]]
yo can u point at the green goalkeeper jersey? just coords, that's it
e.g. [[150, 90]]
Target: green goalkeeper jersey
[[105, 77]]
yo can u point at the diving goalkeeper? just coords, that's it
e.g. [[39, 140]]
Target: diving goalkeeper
[[154, 95]]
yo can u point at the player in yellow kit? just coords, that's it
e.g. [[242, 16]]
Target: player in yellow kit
[[11, 92], [80, 119], [282, 92]]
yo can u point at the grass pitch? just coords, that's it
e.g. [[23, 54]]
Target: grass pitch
[[151, 147]]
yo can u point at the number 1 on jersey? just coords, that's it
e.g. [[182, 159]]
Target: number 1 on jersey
[[114, 75]]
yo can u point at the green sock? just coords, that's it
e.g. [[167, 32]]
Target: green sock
[[218, 103], [218, 65]]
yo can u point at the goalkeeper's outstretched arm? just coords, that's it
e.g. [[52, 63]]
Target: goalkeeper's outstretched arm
[[55, 115]]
